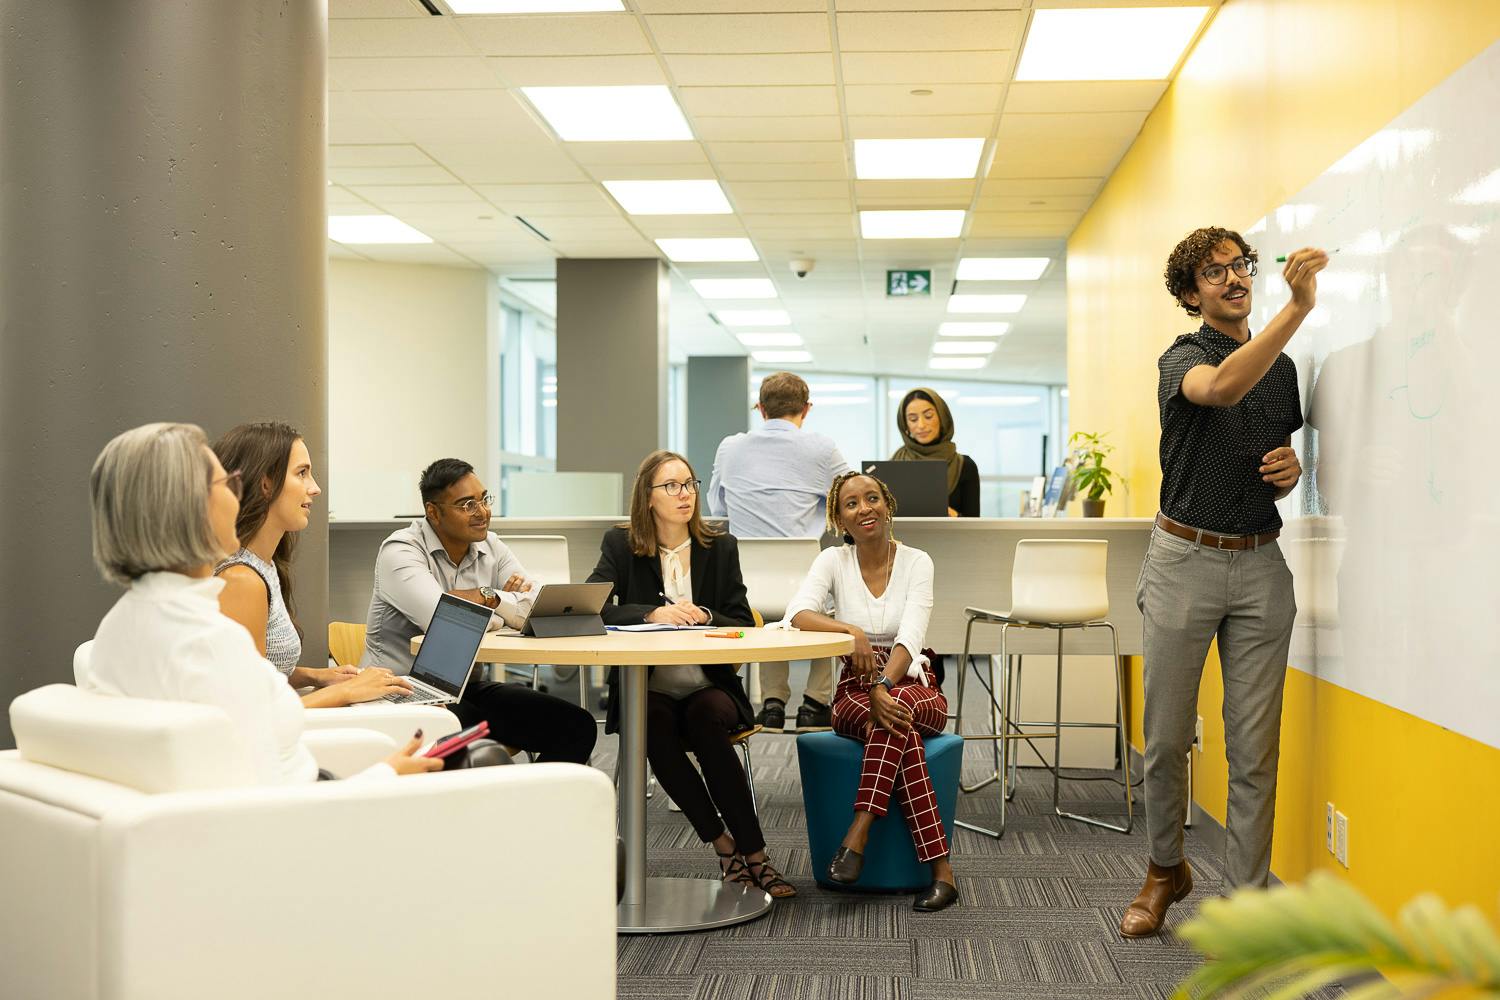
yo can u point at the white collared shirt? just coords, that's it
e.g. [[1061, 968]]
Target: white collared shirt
[[773, 482], [413, 571], [166, 639]]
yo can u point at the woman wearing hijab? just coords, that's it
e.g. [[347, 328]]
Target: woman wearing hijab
[[927, 434]]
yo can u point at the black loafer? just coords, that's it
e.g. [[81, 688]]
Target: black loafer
[[846, 866], [939, 896], [772, 715], [813, 716]]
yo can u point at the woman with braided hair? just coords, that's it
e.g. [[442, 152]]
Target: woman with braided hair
[[888, 697]]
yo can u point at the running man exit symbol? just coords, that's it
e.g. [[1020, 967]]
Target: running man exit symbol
[[899, 284]]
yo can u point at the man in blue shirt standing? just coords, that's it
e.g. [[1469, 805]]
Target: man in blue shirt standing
[[773, 482]]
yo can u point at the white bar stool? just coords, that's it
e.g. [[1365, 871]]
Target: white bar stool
[[1057, 584], [773, 569]]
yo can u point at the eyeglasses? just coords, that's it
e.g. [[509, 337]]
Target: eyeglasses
[[674, 489], [234, 482], [471, 505], [1215, 274]]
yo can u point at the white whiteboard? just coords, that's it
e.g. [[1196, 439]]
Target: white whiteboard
[[1394, 532]]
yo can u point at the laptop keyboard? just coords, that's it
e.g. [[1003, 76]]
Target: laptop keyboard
[[415, 696]]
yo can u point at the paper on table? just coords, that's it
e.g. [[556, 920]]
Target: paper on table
[[657, 627]]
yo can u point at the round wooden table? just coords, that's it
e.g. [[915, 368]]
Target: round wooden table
[[663, 905]]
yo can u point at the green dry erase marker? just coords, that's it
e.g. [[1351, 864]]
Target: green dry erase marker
[[1282, 258]]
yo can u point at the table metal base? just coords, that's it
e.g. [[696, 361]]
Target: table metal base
[[673, 905]]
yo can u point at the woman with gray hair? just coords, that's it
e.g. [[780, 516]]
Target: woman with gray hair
[[164, 515]]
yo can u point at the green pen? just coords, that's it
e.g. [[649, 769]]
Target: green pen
[[1282, 258]]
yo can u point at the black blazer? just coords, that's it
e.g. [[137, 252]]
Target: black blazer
[[639, 590]]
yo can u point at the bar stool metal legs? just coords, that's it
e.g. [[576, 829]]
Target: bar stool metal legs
[[1119, 727]]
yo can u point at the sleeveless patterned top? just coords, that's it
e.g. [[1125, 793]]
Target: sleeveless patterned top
[[283, 644]]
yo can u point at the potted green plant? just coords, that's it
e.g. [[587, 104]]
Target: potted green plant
[[1090, 476]]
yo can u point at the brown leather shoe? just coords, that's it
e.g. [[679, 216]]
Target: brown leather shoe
[[1164, 886]]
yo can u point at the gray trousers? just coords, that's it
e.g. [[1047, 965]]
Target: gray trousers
[[1188, 594], [775, 681]]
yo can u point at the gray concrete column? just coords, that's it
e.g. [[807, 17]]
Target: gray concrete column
[[162, 257], [611, 364], [718, 405]]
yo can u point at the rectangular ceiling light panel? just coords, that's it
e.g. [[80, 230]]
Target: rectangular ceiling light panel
[[1107, 43], [610, 114], [368, 229], [734, 288], [935, 224], [986, 303], [1001, 268], [916, 159], [669, 197], [707, 251], [533, 6]]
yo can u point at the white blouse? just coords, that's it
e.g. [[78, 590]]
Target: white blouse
[[897, 617], [677, 680], [166, 639]]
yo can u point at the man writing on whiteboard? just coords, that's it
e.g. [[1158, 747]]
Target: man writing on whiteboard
[[1228, 405]]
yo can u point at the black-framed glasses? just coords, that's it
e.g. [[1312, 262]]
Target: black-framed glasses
[[471, 505], [234, 482], [674, 488], [1216, 274]]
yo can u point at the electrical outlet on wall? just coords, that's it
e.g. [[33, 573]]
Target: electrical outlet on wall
[[1198, 735], [1328, 827], [1341, 838]]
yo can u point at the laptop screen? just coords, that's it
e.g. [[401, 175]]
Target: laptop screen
[[452, 640]]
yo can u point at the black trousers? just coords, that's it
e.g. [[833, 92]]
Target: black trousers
[[548, 728], [702, 722]]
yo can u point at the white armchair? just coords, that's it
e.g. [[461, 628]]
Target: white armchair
[[138, 865]]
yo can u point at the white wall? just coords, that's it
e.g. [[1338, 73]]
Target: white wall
[[409, 352]]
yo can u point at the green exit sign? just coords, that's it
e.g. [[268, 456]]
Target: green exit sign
[[899, 284]]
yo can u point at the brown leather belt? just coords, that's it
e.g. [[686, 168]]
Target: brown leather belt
[[1212, 540]]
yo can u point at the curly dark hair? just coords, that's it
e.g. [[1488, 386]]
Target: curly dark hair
[[831, 509], [1191, 254]]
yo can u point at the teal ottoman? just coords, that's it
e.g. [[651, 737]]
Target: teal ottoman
[[830, 766]]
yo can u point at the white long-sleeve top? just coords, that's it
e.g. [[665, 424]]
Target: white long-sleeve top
[[166, 639], [897, 617]]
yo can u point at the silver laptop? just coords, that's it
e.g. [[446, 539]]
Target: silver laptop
[[446, 657]]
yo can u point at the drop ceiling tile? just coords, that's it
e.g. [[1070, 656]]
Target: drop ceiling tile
[[340, 198], [1023, 223], [1027, 203], [777, 152], [398, 37], [771, 190], [945, 99], [779, 69], [480, 215], [350, 120], [930, 31], [531, 194], [556, 35], [1119, 125], [497, 161], [504, 252], [906, 5], [666, 226], [783, 172], [932, 126], [352, 176], [1111, 95], [793, 206], [375, 8], [818, 128], [594, 153], [838, 224], [423, 73], [454, 115], [729, 6], [410, 194], [1057, 157], [724, 33], [1042, 187], [759, 101], [579, 71], [341, 252], [651, 171], [926, 68], [957, 191], [414, 253], [577, 209], [377, 155]]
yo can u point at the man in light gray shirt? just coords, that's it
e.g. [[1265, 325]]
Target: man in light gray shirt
[[451, 550], [773, 482]]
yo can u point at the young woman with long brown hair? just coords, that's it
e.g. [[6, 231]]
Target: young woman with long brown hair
[[668, 566]]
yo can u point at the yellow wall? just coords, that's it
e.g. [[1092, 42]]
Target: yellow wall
[[1274, 93]]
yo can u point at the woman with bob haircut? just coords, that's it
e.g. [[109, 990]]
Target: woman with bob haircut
[[889, 695], [275, 503], [667, 566], [164, 513]]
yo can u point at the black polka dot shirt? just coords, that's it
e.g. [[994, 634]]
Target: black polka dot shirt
[[1211, 455]]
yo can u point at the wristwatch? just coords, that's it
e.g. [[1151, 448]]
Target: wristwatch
[[884, 682], [490, 595]]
